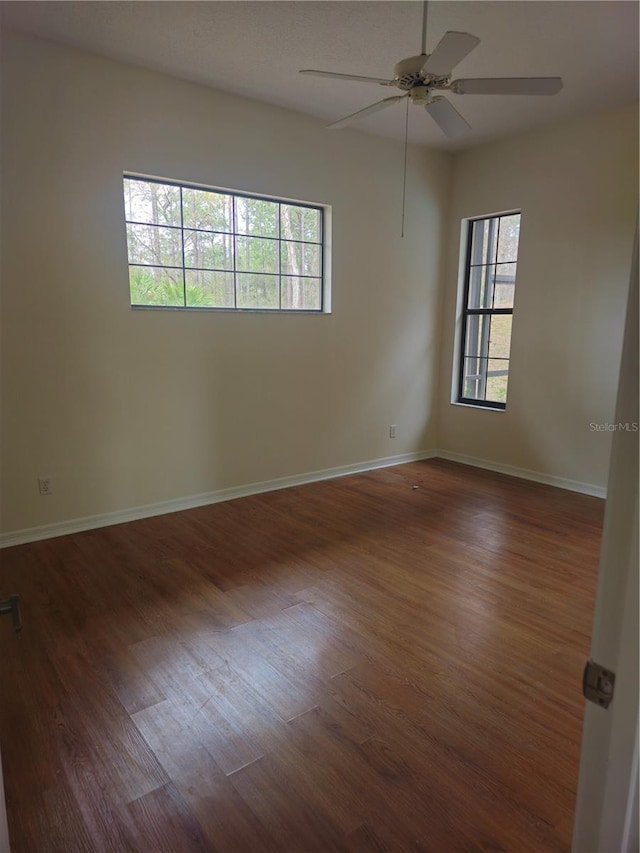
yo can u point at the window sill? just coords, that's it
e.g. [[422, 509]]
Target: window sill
[[204, 308], [477, 408]]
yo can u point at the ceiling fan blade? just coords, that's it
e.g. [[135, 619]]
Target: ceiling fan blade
[[450, 50], [372, 108], [356, 77], [508, 86], [447, 118]]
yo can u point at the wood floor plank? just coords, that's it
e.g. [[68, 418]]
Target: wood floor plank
[[160, 817], [384, 662], [226, 820], [292, 822], [132, 684], [243, 651]]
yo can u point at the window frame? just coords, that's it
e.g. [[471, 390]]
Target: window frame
[[467, 312], [323, 245]]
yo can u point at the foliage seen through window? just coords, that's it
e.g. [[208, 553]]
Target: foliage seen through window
[[203, 248]]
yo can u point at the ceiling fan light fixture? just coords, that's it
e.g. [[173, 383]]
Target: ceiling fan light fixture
[[420, 95]]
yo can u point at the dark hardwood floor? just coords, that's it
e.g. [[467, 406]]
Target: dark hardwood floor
[[388, 661]]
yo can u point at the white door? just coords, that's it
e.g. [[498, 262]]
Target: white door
[[607, 805]]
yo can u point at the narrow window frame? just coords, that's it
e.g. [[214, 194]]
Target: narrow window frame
[[324, 248], [466, 312]]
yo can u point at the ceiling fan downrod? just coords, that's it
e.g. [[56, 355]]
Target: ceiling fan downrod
[[423, 49]]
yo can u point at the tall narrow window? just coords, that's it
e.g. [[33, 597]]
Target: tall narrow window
[[489, 287]]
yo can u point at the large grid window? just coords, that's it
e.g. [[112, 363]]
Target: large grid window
[[488, 310], [194, 247]]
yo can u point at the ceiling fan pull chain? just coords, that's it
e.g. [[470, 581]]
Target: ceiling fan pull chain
[[404, 175]]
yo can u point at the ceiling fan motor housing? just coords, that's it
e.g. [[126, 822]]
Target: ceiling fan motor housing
[[406, 73]]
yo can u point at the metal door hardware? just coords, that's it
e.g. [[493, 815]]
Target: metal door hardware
[[12, 605], [598, 683]]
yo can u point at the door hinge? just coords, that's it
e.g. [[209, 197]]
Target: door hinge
[[598, 683]]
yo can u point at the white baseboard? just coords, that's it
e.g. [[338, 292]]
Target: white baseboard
[[91, 522], [524, 474]]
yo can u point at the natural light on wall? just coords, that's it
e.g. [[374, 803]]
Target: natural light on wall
[[488, 283], [196, 247]]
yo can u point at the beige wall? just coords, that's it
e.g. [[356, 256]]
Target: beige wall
[[577, 187], [123, 408]]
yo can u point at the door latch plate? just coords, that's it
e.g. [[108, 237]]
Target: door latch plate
[[598, 684]]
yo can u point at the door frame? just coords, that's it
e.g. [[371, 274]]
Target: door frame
[[606, 816]]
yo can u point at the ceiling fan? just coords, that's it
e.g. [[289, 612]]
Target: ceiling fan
[[421, 77]]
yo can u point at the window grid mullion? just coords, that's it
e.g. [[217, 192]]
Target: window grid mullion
[[184, 273], [484, 312], [234, 230], [227, 233], [222, 269], [279, 256], [485, 325]]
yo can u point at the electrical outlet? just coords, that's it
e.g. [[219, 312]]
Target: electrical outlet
[[45, 485], [392, 431]]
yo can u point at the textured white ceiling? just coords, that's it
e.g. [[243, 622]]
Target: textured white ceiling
[[256, 49]]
